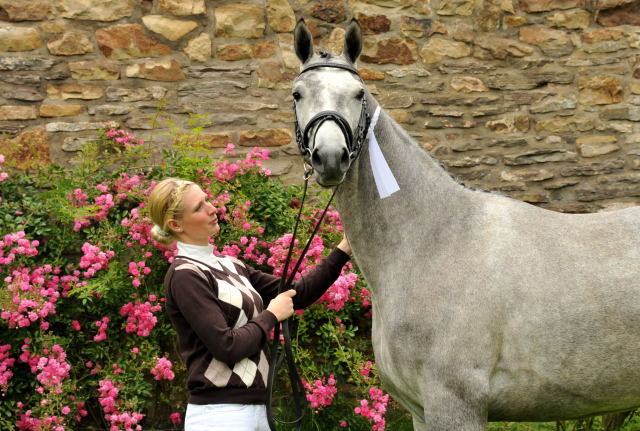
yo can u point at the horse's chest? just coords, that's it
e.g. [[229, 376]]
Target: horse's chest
[[396, 341]]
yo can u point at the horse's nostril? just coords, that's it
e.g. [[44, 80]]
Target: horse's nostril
[[315, 159], [344, 160]]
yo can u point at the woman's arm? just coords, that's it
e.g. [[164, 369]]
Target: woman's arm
[[309, 287]]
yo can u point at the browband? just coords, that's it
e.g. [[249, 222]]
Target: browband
[[334, 65]]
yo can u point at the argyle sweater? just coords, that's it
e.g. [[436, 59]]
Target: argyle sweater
[[217, 306]]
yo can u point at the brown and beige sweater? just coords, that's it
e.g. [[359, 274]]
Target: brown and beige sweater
[[217, 306]]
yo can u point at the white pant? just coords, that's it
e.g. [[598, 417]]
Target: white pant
[[226, 417]]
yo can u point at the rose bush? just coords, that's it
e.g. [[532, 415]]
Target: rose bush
[[85, 341]]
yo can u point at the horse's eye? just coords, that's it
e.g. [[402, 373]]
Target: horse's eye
[[360, 95], [296, 96]]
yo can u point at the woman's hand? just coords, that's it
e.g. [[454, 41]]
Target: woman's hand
[[282, 305], [344, 245]]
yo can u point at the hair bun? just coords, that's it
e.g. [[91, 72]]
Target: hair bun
[[161, 235], [159, 231]]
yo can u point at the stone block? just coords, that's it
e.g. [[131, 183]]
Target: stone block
[[289, 58], [554, 43], [50, 110], [401, 116], [13, 38], [94, 70], [264, 49], [104, 10], [265, 138], [554, 103], [500, 47], [457, 7], [598, 168], [127, 95], [280, 16], [370, 75], [55, 26], [240, 21], [547, 5], [172, 29], [566, 125], [332, 11], [79, 126], [513, 21], [21, 92], [274, 75], [437, 48], [199, 48], [624, 13], [21, 112], [334, 43], [71, 43], [539, 156], [535, 175], [74, 91], [598, 145], [488, 17], [599, 90], [111, 109], [30, 10], [210, 140], [373, 24], [471, 161], [572, 19], [167, 70], [446, 123], [467, 84], [126, 41], [414, 27], [182, 7], [234, 51], [390, 51], [26, 63], [510, 123]]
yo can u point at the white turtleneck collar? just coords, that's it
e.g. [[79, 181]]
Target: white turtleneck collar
[[203, 253]]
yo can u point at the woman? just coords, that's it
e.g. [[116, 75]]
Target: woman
[[223, 310]]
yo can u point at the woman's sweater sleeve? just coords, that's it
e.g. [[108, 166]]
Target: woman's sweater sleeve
[[202, 312], [309, 287]]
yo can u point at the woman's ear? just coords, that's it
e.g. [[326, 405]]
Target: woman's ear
[[352, 41], [303, 41], [174, 226]]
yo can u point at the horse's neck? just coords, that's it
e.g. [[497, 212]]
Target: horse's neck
[[428, 199]]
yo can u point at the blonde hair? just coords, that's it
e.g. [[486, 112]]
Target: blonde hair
[[165, 203]]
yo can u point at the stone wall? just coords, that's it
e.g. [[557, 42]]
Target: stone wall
[[538, 99]]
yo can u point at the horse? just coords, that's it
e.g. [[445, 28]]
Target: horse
[[485, 308]]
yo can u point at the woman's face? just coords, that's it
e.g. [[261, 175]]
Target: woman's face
[[199, 220]]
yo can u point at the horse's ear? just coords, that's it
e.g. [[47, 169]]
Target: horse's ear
[[352, 41], [303, 41]]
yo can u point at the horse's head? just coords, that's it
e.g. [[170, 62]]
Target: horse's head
[[329, 105]]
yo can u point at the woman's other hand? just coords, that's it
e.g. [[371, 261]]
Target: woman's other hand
[[344, 245], [282, 305]]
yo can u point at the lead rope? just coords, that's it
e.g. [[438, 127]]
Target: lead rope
[[277, 356]]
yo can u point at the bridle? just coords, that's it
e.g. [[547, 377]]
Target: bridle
[[355, 142]]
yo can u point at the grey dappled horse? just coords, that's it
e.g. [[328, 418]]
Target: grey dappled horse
[[485, 308]]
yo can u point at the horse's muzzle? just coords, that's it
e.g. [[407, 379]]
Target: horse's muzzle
[[330, 156]]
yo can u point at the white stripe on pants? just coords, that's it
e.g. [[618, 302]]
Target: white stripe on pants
[[226, 417]]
